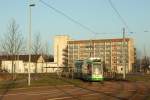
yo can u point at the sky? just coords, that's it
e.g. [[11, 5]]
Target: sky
[[98, 15]]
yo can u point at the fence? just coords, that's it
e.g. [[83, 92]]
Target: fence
[[112, 75]]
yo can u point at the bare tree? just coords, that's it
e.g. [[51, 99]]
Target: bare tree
[[12, 42], [45, 49], [145, 63], [45, 53], [37, 45]]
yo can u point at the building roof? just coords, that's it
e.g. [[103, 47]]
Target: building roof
[[25, 58], [97, 40], [48, 58]]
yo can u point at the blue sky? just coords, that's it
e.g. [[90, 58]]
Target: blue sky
[[96, 14]]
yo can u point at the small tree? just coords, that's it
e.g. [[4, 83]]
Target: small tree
[[145, 63], [37, 47], [45, 49], [45, 52], [12, 42]]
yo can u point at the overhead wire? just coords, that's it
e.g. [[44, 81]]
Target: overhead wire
[[119, 15], [80, 24], [68, 17]]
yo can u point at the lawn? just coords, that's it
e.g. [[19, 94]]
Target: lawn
[[54, 80], [38, 80]]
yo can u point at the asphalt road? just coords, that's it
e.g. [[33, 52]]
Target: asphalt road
[[90, 91]]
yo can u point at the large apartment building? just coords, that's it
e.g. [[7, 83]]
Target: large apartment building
[[109, 50], [60, 44]]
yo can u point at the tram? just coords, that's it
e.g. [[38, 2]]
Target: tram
[[90, 69]]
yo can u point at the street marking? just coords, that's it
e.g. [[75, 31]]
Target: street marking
[[132, 90], [71, 97], [89, 94], [60, 98], [108, 92]]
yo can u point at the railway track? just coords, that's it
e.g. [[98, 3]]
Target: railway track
[[120, 90], [106, 94], [107, 90]]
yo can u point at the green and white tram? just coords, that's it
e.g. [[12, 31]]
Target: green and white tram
[[90, 69]]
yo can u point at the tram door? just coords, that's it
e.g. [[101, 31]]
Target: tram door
[[78, 67]]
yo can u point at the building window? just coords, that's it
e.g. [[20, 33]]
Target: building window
[[121, 69], [25, 64]]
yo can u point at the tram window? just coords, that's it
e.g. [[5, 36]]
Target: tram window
[[79, 66], [89, 69]]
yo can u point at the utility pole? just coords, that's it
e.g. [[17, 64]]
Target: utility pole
[[124, 55], [91, 48], [30, 30]]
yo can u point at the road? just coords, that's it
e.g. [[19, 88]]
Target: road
[[110, 90]]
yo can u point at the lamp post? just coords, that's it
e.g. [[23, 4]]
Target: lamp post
[[31, 5], [124, 55]]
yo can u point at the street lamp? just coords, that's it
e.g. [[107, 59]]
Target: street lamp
[[31, 5], [124, 55]]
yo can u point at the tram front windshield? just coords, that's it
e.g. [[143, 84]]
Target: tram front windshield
[[97, 69]]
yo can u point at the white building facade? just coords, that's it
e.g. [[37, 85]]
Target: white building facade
[[60, 44], [22, 66]]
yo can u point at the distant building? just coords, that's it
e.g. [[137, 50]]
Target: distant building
[[60, 44], [66, 51], [20, 63]]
